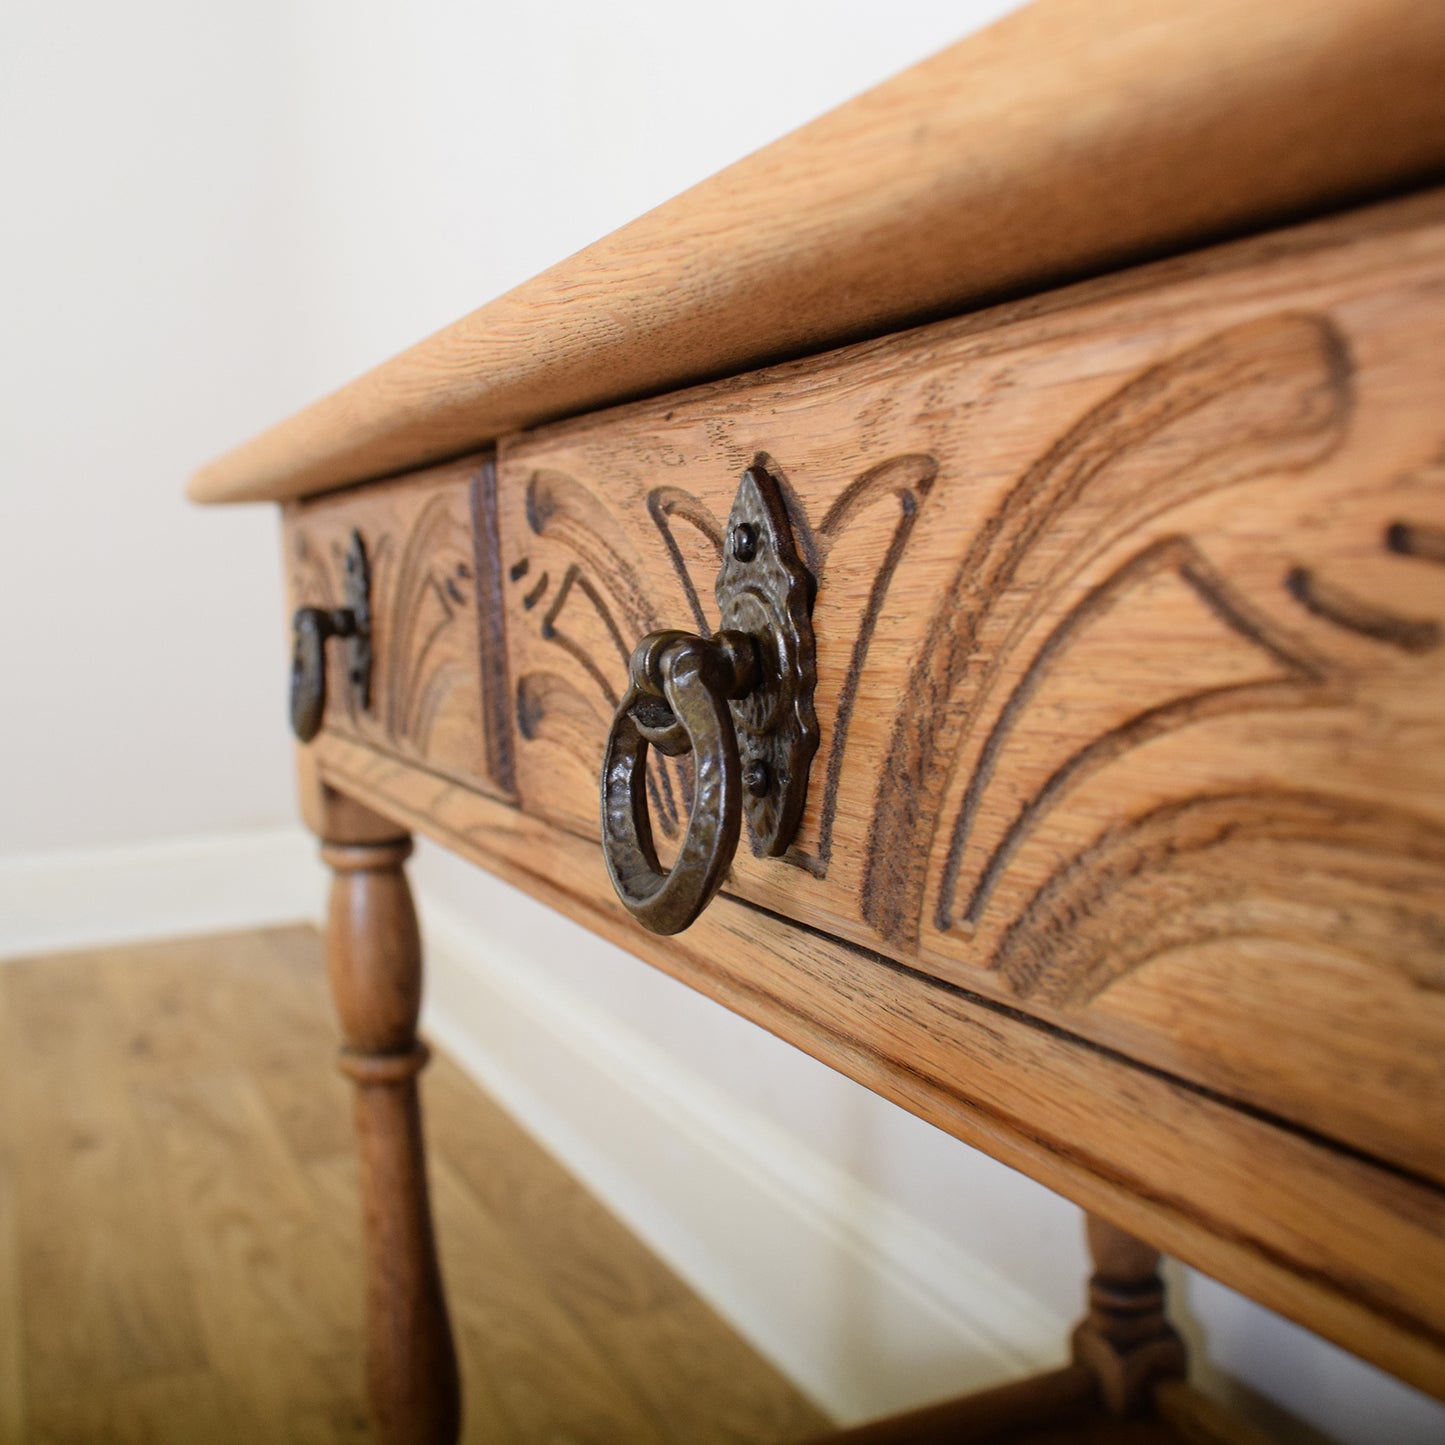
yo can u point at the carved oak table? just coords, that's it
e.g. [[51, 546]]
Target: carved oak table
[[1026, 697]]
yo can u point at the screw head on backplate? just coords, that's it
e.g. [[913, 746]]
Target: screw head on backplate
[[756, 777]]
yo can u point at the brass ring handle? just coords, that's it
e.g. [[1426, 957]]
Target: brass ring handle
[[677, 701]]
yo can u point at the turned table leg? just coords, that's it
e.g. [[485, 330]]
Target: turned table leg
[[1125, 1351], [1125, 1338], [374, 957]]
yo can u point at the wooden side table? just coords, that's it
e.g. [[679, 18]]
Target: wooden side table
[[1025, 697]]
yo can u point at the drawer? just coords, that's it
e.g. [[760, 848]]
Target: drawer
[[1130, 679], [428, 708]]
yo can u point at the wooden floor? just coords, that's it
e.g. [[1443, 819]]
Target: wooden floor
[[178, 1232]]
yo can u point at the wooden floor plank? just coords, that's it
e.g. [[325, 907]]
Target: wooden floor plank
[[177, 1184], [12, 1354], [176, 1410], [716, 1391], [107, 1300], [550, 1381], [311, 1106], [188, 1004], [279, 1294], [12, 1358]]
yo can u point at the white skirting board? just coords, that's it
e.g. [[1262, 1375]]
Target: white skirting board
[[862, 1306], [53, 902]]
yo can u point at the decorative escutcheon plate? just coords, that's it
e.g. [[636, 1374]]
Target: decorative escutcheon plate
[[765, 591]]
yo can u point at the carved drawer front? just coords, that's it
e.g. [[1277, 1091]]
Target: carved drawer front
[[1130, 678], [425, 710]]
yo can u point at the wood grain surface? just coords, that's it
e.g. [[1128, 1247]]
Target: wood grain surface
[[1129, 626], [1070, 138], [1351, 1248], [180, 1238]]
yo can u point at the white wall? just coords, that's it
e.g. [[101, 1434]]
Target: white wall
[[146, 250], [213, 213]]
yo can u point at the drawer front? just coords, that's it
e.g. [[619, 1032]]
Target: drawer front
[[1129, 655], [432, 642]]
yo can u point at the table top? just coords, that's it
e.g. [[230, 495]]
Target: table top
[[1069, 139]]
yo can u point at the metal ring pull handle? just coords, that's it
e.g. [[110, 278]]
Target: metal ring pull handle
[[677, 702], [313, 627], [741, 702]]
